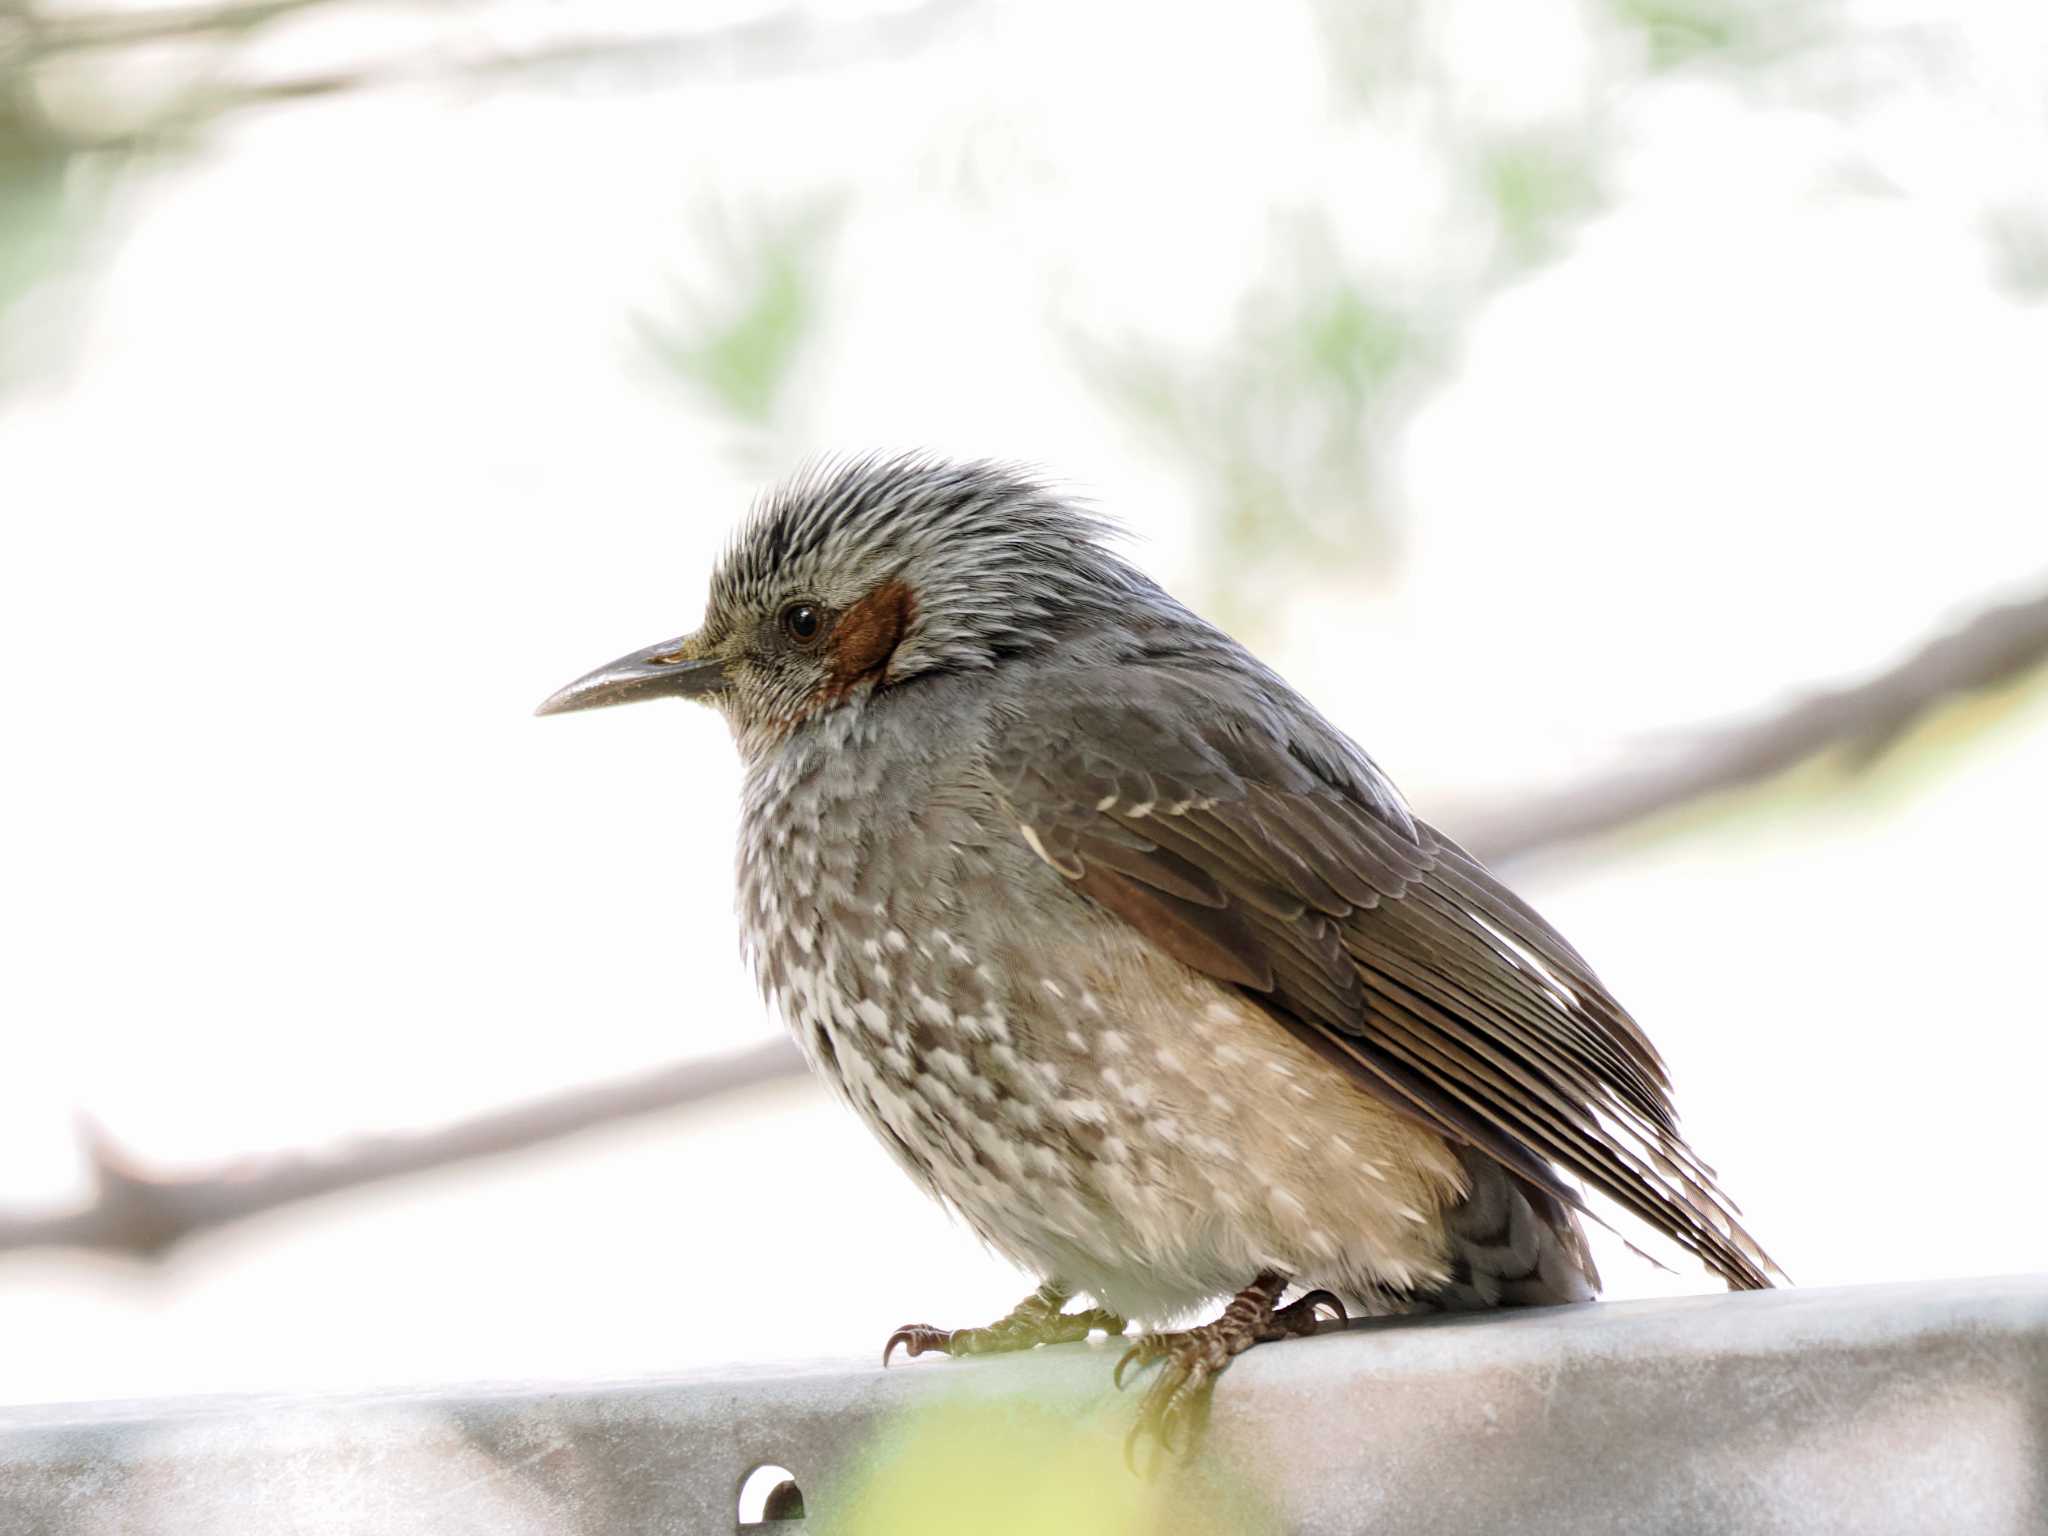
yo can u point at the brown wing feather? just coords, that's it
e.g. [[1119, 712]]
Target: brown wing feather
[[1370, 936]]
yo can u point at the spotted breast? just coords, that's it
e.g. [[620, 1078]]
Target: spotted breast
[[1095, 1110]]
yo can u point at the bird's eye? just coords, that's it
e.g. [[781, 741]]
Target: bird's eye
[[802, 621]]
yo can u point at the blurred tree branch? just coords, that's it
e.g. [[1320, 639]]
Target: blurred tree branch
[[778, 41], [1862, 720], [49, 35], [145, 1215]]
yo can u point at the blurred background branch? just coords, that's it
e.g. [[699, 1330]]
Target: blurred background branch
[[1860, 723], [145, 1213]]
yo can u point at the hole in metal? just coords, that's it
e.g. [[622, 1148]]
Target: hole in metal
[[770, 1493]]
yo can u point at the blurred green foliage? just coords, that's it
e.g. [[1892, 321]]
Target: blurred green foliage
[[136, 81], [2018, 240], [1538, 187], [70, 126], [1285, 426], [1288, 422], [1373, 49], [32, 166], [1005, 1468], [1681, 31], [1743, 33], [736, 335], [45, 201]]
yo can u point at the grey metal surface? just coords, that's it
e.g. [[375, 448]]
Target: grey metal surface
[[1911, 1408]]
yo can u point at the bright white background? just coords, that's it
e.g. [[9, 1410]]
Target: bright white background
[[354, 460]]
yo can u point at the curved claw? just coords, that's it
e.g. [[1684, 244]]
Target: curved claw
[[1324, 1299], [1174, 1411], [1164, 1412], [1138, 1429], [1138, 1352], [916, 1339], [1131, 1448]]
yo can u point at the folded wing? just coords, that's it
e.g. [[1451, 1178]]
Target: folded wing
[[1287, 867]]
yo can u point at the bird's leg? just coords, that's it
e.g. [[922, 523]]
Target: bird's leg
[[1180, 1397], [1037, 1319]]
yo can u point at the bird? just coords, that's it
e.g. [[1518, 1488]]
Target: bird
[[1131, 958]]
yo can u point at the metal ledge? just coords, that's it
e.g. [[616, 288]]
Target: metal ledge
[[1905, 1408]]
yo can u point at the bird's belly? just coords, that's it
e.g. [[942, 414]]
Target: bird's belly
[[1125, 1126]]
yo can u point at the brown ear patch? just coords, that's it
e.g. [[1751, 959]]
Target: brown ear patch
[[867, 634]]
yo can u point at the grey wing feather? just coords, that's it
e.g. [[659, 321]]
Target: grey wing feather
[[1245, 837]]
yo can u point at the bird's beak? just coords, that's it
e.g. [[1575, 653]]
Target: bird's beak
[[673, 668]]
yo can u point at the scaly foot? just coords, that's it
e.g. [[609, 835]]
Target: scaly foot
[[1036, 1320], [1179, 1399]]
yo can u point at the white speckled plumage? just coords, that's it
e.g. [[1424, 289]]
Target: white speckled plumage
[[1109, 1158]]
